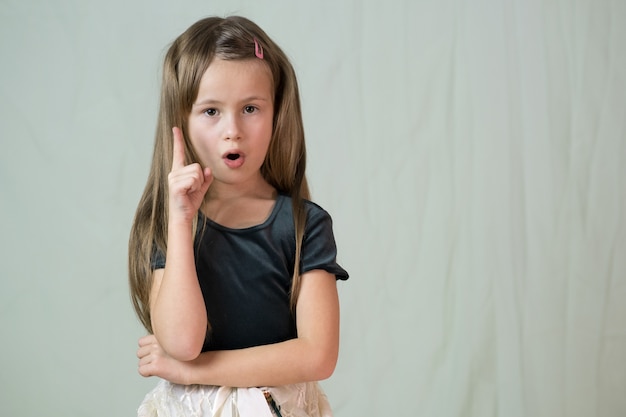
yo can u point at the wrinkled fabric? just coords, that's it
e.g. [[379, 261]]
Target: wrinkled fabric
[[174, 400]]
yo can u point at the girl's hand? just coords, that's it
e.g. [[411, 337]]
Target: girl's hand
[[187, 183], [153, 361]]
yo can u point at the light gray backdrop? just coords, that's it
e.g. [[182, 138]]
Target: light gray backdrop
[[472, 154]]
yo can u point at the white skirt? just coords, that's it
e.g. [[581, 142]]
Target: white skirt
[[296, 400]]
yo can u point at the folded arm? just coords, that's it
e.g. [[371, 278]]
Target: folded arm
[[311, 356]]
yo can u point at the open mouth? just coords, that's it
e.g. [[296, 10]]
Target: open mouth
[[234, 159]]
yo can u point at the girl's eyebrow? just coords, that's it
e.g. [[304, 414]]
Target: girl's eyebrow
[[210, 101]]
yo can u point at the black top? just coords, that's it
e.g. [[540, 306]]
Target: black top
[[246, 274]]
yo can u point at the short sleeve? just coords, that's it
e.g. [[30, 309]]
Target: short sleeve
[[319, 250]]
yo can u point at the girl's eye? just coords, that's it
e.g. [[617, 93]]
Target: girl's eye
[[249, 109], [210, 112]]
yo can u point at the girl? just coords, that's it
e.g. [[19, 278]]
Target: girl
[[232, 268]]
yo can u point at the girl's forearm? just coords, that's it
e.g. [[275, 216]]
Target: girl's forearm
[[178, 312], [292, 361]]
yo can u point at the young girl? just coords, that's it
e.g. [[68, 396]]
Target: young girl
[[232, 269]]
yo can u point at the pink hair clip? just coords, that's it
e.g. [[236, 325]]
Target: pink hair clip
[[258, 49]]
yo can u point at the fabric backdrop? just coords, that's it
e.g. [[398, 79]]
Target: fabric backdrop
[[472, 155]]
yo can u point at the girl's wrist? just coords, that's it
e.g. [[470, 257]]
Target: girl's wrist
[[176, 222]]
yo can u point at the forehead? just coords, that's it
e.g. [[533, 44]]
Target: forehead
[[227, 80]]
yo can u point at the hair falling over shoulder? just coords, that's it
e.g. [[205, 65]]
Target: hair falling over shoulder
[[231, 38]]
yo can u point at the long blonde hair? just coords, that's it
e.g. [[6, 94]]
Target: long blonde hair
[[231, 38]]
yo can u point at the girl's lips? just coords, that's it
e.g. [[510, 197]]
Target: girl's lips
[[233, 159]]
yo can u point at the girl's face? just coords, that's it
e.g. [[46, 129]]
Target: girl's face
[[230, 124]]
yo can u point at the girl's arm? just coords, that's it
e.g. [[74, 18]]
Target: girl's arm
[[178, 313], [312, 356]]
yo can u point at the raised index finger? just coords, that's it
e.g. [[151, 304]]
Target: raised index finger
[[178, 154]]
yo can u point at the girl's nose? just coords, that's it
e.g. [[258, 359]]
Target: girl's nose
[[232, 129]]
